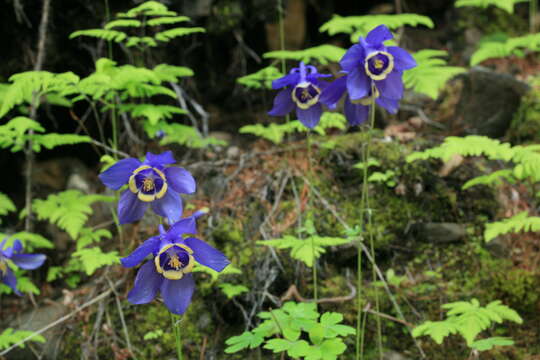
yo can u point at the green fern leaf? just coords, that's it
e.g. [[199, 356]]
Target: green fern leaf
[[431, 73], [141, 41], [437, 330], [231, 290], [167, 20], [30, 241], [490, 343], [52, 140], [517, 223], [497, 48], [361, 25], [9, 337], [148, 8], [6, 205], [171, 73], [322, 53], [181, 134], [495, 178], [153, 113], [123, 23], [243, 341], [69, 209], [90, 236], [91, 259], [261, 79], [170, 34], [103, 34], [306, 250], [507, 5], [14, 133]]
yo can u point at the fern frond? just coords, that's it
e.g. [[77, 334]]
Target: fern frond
[[260, 79], [472, 145], [490, 343], [6, 205], [495, 178], [153, 113], [170, 34], [122, 23], [103, 34], [517, 223], [507, 5], [167, 20], [52, 140], [10, 337], [323, 54], [306, 250], [141, 41], [69, 209], [171, 73], [431, 73], [148, 8], [361, 25], [180, 134], [14, 135], [437, 330], [31, 241], [91, 259], [507, 47]]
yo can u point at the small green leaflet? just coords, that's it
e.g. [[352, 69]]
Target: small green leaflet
[[10, 337], [246, 340]]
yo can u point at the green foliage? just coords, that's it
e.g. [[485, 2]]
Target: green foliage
[[360, 25], [180, 134], [517, 223], [495, 178], [155, 15], [231, 290], [431, 73], [91, 259], [498, 48], [490, 343], [507, 5], [171, 73], [6, 205], [9, 337], [467, 319], [153, 113], [16, 133], [30, 86], [29, 240], [322, 53], [282, 329], [276, 132], [152, 335], [387, 177], [214, 275], [261, 79], [308, 249], [69, 209]]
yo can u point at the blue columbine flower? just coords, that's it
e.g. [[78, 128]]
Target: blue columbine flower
[[372, 70], [149, 182], [175, 254], [302, 93], [15, 255]]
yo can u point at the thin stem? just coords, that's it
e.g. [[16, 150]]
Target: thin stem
[[177, 335], [370, 230], [107, 19], [114, 131], [314, 268], [282, 44], [533, 8]]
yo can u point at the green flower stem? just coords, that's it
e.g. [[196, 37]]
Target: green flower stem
[[366, 211], [177, 335], [310, 176]]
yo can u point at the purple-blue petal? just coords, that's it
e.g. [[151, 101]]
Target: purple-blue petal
[[378, 35], [130, 208], [391, 105], [147, 284], [333, 92], [402, 59], [10, 280], [165, 158], [356, 114], [169, 206], [290, 79], [358, 84], [28, 261], [283, 103], [311, 116], [180, 180], [391, 87], [207, 255], [184, 226], [177, 293], [17, 246], [139, 254], [353, 58], [118, 174]]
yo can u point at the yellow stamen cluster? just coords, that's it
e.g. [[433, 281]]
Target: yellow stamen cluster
[[306, 99], [175, 263], [147, 185], [379, 65]]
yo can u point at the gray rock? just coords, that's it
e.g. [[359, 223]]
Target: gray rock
[[438, 233], [35, 320], [392, 355], [488, 101]]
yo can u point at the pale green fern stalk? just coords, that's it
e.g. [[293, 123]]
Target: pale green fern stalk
[[177, 335]]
